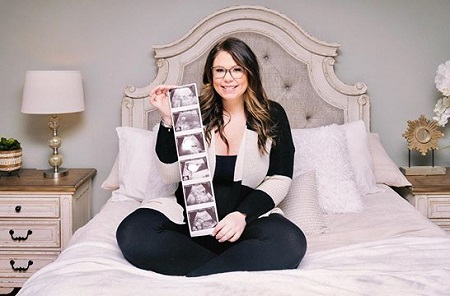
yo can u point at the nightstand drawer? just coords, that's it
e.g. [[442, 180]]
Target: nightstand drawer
[[26, 207], [24, 264], [14, 234], [438, 207], [443, 223]]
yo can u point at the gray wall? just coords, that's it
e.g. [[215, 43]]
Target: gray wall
[[394, 46]]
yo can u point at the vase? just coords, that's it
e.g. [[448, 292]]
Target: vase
[[10, 160]]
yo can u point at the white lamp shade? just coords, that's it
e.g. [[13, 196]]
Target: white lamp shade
[[53, 92]]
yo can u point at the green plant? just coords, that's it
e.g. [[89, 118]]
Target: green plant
[[9, 144]]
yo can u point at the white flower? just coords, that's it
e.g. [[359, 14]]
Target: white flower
[[442, 111], [442, 78]]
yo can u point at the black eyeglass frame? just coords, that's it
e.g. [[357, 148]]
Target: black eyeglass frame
[[228, 71]]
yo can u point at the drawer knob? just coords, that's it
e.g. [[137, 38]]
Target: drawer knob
[[18, 209], [20, 269], [19, 238]]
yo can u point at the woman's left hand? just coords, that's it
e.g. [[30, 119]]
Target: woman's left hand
[[230, 228]]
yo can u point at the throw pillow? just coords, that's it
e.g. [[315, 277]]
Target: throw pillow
[[386, 171], [324, 150], [138, 176], [301, 205], [360, 157]]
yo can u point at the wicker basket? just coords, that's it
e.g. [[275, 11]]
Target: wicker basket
[[10, 160]]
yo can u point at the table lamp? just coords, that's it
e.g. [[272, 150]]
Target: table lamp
[[53, 93]]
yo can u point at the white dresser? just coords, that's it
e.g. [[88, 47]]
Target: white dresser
[[37, 218]]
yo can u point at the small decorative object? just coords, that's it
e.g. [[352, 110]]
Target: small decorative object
[[442, 80], [423, 135], [10, 155], [53, 93]]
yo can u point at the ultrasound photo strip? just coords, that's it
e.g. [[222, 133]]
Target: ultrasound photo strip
[[196, 179]]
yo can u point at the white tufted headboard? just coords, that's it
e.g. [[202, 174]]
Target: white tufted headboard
[[297, 69]]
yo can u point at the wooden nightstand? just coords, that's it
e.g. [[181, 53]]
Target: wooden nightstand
[[37, 218], [430, 194]]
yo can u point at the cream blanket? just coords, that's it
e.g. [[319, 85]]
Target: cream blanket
[[371, 253]]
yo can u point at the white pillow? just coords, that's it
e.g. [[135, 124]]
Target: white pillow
[[386, 171], [360, 157], [324, 150], [138, 176], [112, 181], [301, 205]]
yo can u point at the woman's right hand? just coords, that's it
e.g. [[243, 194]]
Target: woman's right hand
[[159, 98]]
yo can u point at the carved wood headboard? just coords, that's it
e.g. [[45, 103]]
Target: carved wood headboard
[[297, 69]]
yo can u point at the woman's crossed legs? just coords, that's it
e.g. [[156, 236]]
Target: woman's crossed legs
[[150, 241]]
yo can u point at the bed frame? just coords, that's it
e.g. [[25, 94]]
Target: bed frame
[[388, 249], [297, 69]]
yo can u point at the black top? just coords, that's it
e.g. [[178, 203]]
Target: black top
[[226, 201], [251, 201]]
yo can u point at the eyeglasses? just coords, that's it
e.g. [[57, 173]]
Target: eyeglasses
[[220, 72]]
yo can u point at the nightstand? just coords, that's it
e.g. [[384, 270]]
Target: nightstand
[[430, 194], [37, 218]]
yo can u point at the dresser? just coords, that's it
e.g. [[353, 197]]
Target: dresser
[[430, 194], [37, 218]]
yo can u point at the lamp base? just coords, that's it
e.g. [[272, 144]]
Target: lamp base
[[51, 174]]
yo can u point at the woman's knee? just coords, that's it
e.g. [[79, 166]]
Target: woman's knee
[[288, 238], [130, 225], [296, 243], [134, 234]]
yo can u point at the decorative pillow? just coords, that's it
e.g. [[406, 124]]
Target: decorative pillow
[[138, 177], [386, 171], [324, 150], [301, 205], [360, 157]]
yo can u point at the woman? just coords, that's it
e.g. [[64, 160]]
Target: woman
[[250, 151]]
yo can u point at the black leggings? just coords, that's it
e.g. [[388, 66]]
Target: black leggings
[[150, 241]]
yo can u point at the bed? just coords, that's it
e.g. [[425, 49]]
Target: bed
[[363, 238]]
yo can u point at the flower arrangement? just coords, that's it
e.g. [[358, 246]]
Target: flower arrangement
[[442, 107]]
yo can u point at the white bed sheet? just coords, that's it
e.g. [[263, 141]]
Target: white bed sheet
[[389, 249]]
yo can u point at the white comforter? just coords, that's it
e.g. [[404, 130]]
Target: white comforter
[[387, 250]]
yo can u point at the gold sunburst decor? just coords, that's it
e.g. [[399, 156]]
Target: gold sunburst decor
[[423, 135]]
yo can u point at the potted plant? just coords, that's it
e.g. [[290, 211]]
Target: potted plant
[[10, 155]]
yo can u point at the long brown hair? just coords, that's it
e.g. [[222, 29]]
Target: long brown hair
[[256, 103]]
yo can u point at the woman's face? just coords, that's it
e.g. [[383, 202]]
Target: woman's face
[[228, 87]]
